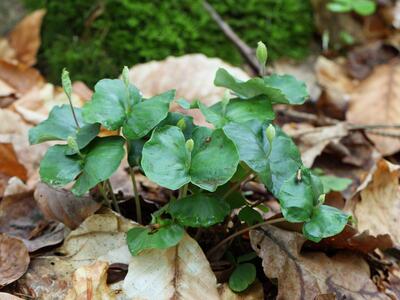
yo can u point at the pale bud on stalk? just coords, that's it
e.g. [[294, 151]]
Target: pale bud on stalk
[[125, 75], [270, 133], [181, 124], [189, 145], [262, 56]]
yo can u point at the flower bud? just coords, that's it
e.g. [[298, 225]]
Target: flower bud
[[270, 133], [125, 75], [321, 199], [181, 124], [262, 53], [189, 145], [66, 83]]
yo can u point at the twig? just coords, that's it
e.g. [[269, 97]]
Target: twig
[[247, 52], [240, 232], [136, 194], [114, 199]]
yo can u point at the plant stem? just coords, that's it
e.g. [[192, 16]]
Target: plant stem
[[183, 191], [235, 186], [73, 111], [240, 232], [114, 199], [136, 194], [104, 194]]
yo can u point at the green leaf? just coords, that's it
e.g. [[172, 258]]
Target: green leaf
[[141, 238], [246, 257], [174, 117], [167, 162], [242, 277], [183, 103], [297, 198], [101, 159], [339, 7], [199, 210], [238, 110], [145, 115], [60, 125], [326, 221], [276, 88], [111, 103], [165, 159], [333, 183], [364, 7], [57, 169], [135, 152], [250, 216]]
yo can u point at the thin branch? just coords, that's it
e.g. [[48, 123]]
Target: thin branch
[[247, 52]]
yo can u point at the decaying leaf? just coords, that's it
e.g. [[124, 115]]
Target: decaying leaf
[[9, 166], [14, 259], [25, 37], [377, 101], [6, 296], [90, 282], [313, 140], [376, 206], [63, 206], [20, 217], [308, 275], [254, 292]]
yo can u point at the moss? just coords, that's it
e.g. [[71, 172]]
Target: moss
[[93, 39]]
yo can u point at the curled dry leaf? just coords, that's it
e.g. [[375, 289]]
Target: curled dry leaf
[[14, 259], [25, 37], [308, 275], [63, 206], [20, 217], [90, 282], [313, 140], [376, 100], [9, 166], [376, 206]]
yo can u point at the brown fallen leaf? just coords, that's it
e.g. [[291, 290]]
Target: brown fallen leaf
[[377, 101], [303, 275], [313, 140], [90, 282], [7, 53], [6, 296], [9, 166], [14, 259], [25, 37], [20, 217], [376, 206], [63, 206], [254, 292]]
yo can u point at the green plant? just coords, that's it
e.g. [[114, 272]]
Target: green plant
[[206, 166], [361, 7], [117, 32]]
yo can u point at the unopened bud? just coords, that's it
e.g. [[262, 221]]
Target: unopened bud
[[270, 133], [66, 82], [181, 124], [125, 75], [262, 53], [321, 199], [189, 145]]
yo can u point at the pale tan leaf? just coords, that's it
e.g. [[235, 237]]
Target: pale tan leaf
[[376, 206], [63, 206], [25, 37], [307, 275], [6, 296], [377, 101], [6, 89], [7, 53], [89, 282], [14, 259], [9, 166], [254, 292]]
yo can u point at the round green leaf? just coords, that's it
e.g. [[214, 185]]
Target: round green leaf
[[326, 221], [199, 210], [297, 198], [214, 159], [242, 277], [339, 7], [165, 159], [56, 168], [110, 103], [174, 117], [364, 7], [141, 238], [333, 183], [277, 89], [145, 115], [250, 216], [101, 159], [60, 125]]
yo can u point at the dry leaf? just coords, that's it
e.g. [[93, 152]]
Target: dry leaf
[[308, 275], [63, 206], [25, 37], [7, 53], [9, 166], [313, 140], [20, 217], [14, 259], [254, 292], [377, 101], [15, 186], [82, 90], [90, 282], [6, 296], [376, 206]]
